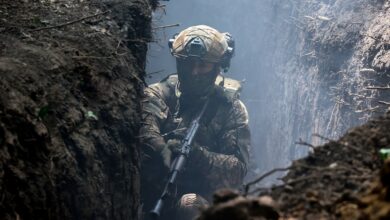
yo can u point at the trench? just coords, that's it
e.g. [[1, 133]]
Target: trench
[[72, 74], [307, 67]]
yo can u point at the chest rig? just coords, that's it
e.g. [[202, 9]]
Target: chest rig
[[226, 91]]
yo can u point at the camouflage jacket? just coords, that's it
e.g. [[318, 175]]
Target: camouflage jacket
[[222, 142]]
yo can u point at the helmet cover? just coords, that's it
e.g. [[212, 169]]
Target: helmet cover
[[200, 41]]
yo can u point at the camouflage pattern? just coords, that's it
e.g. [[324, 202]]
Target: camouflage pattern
[[221, 150], [189, 205], [215, 42]]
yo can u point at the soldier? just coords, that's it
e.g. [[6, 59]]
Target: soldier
[[219, 155]]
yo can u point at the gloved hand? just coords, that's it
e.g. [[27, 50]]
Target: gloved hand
[[198, 153], [174, 145], [171, 149]]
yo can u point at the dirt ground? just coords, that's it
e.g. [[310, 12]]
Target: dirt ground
[[334, 180], [70, 79], [343, 179]]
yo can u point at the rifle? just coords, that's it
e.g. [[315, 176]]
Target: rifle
[[179, 162]]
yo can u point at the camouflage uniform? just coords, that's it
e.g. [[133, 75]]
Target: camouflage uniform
[[220, 154]]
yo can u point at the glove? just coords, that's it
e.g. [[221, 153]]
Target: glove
[[171, 149], [174, 145], [197, 153]]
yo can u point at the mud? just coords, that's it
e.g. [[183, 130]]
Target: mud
[[71, 74]]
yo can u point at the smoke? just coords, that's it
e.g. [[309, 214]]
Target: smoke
[[290, 54], [247, 21]]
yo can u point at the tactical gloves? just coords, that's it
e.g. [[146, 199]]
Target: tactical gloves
[[171, 150], [174, 145]]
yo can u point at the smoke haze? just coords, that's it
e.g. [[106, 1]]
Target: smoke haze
[[295, 58]]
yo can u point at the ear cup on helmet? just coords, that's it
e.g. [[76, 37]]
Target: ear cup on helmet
[[170, 42], [225, 63]]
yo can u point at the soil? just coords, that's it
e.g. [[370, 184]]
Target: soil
[[328, 58], [334, 180], [343, 179], [71, 74]]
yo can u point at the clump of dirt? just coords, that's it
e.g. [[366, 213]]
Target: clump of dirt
[[229, 205], [339, 180], [376, 203], [71, 74]]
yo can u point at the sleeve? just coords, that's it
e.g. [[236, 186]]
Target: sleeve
[[153, 170], [154, 114], [227, 167]]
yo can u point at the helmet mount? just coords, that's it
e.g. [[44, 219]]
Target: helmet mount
[[196, 48]]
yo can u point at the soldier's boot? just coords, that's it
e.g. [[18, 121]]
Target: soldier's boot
[[189, 206]]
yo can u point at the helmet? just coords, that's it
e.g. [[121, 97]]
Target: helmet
[[205, 43]]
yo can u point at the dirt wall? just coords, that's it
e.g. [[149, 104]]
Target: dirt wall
[[71, 74], [328, 57]]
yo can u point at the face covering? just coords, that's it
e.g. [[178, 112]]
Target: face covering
[[194, 86]]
